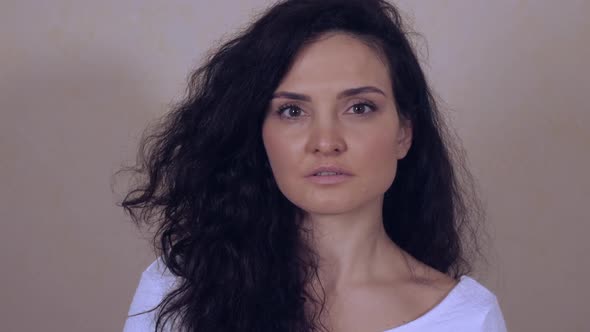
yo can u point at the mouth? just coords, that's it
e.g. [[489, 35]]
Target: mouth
[[329, 171], [328, 177]]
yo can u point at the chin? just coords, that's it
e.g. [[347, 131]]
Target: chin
[[323, 210], [328, 206]]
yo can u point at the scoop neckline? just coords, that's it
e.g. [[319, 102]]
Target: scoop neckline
[[438, 307]]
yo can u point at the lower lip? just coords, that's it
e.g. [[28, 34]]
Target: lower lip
[[328, 179]]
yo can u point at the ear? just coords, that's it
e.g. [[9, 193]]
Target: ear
[[404, 139]]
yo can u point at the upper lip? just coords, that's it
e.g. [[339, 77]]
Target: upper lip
[[329, 168]]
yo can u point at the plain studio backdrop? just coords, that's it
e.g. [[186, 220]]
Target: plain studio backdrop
[[79, 80]]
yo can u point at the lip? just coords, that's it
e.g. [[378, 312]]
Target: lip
[[329, 168], [329, 179]]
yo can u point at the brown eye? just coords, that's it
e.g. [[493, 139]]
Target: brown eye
[[363, 108], [292, 111]]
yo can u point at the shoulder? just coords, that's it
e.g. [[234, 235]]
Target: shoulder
[[476, 307], [469, 292], [464, 293], [155, 282], [467, 306]]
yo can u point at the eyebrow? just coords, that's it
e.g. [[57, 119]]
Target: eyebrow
[[343, 94]]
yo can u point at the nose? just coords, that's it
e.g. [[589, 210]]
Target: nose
[[326, 138]]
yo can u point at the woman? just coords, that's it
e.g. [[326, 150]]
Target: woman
[[307, 183]]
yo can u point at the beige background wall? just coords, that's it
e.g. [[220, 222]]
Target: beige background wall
[[80, 79]]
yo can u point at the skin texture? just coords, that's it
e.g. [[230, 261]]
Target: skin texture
[[366, 277]]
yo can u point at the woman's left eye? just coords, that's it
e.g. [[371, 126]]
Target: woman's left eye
[[356, 108]]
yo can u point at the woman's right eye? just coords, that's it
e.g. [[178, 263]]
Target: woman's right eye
[[289, 111]]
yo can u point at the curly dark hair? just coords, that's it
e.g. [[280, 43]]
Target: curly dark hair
[[224, 228]]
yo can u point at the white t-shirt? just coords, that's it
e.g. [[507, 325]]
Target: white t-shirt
[[468, 307]]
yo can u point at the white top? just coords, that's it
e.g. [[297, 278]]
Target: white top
[[468, 307]]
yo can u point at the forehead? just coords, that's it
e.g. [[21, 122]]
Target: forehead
[[337, 60]]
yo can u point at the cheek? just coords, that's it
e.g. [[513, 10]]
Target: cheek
[[380, 160], [279, 151]]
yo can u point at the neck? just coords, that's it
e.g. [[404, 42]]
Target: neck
[[353, 248]]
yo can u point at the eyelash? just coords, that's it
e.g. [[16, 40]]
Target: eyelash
[[285, 107]]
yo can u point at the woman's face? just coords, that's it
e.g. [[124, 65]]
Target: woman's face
[[324, 122]]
